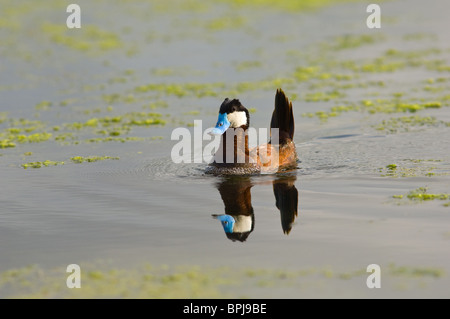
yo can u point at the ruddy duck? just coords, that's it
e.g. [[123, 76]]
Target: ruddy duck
[[238, 221], [234, 157]]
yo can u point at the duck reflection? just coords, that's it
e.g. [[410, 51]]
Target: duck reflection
[[239, 218]]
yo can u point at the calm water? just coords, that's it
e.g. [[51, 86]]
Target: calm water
[[143, 208]]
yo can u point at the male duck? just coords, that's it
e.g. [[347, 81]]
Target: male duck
[[238, 221], [234, 157]]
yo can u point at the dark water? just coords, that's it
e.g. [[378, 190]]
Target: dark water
[[143, 208]]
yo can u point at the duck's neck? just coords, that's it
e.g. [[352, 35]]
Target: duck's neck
[[233, 147], [237, 198]]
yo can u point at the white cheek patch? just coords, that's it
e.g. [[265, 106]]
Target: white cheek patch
[[237, 119], [242, 224]]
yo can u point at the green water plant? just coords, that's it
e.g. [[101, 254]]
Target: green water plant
[[90, 159], [421, 194], [46, 163]]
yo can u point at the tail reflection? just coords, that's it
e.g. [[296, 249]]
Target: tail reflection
[[239, 218], [286, 200]]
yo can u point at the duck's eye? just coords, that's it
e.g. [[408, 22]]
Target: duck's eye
[[225, 222], [220, 124]]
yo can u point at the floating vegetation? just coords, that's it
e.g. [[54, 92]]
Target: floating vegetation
[[156, 105], [414, 271], [75, 159], [324, 96], [6, 143], [120, 124], [245, 65], [14, 136], [90, 159], [46, 163], [149, 281], [42, 106], [115, 139], [288, 5], [89, 38], [224, 23], [407, 123], [411, 168], [397, 106], [421, 194], [213, 89], [352, 41]]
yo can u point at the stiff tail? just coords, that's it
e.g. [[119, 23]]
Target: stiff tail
[[283, 118]]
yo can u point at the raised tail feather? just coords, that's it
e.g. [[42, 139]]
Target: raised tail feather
[[283, 118]]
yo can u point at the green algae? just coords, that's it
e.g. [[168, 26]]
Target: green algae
[[6, 143], [13, 136], [352, 41], [334, 112], [324, 96], [246, 65], [289, 5], [407, 123], [90, 159], [421, 194], [156, 105], [414, 271], [43, 106], [225, 23], [190, 281], [114, 139], [46, 163], [75, 159], [120, 124], [413, 168], [89, 38]]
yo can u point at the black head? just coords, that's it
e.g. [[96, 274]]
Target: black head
[[231, 114]]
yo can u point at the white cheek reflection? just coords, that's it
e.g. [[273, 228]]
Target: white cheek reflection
[[242, 224]]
